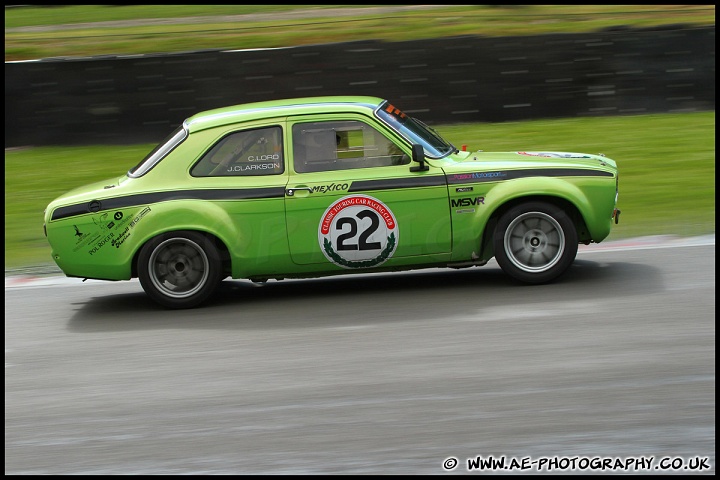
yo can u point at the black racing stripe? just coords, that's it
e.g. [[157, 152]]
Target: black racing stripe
[[148, 198], [499, 175], [420, 181]]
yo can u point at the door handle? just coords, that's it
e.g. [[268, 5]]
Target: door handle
[[291, 191]]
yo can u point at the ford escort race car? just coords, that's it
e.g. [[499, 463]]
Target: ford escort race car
[[311, 187]]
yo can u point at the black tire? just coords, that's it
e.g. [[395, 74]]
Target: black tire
[[180, 269], [535, 242]]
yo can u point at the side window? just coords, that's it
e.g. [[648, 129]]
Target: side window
[[322, 146], [245, 153]]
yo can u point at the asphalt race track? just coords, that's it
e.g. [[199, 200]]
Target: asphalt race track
[[609, 370]]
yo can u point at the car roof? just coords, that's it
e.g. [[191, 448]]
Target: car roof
[[284, 107]]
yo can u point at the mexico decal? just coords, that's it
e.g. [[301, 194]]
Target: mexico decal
[[358, 231]]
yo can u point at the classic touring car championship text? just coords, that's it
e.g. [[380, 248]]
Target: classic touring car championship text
[[602, 464]]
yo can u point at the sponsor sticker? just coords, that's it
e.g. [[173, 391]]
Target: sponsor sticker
[[115, 230], [555, 154]]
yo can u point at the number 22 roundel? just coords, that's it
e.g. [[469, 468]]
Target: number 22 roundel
[[358, 231]]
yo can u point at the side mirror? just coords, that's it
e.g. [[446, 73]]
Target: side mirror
[[418, 155]]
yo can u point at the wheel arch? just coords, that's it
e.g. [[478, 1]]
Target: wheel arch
[[206, 218], [563, 203], [216, 241]]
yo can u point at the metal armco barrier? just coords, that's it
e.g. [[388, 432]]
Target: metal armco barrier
[[138, 99]]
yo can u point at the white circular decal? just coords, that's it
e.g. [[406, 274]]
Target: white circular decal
[[358, 231]]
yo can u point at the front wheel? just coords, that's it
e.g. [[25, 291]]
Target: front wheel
[[179, 269], [535, 242]]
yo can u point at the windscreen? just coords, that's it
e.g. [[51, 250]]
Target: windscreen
[[414, 131]]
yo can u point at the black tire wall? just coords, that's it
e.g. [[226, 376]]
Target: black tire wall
[[141, 99]]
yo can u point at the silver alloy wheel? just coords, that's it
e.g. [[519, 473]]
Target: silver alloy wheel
[[178, 267], [534, 242]]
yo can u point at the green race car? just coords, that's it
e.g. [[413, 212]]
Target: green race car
[[311, 187]]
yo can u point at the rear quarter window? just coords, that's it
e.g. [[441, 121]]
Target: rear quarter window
[[244, 153]]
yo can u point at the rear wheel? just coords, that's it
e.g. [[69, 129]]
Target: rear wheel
[[180, 269], [535, 242]]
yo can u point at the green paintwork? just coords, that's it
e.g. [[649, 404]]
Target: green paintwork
[[278, 236]]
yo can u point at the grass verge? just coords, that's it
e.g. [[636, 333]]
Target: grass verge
[[33, 32]]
